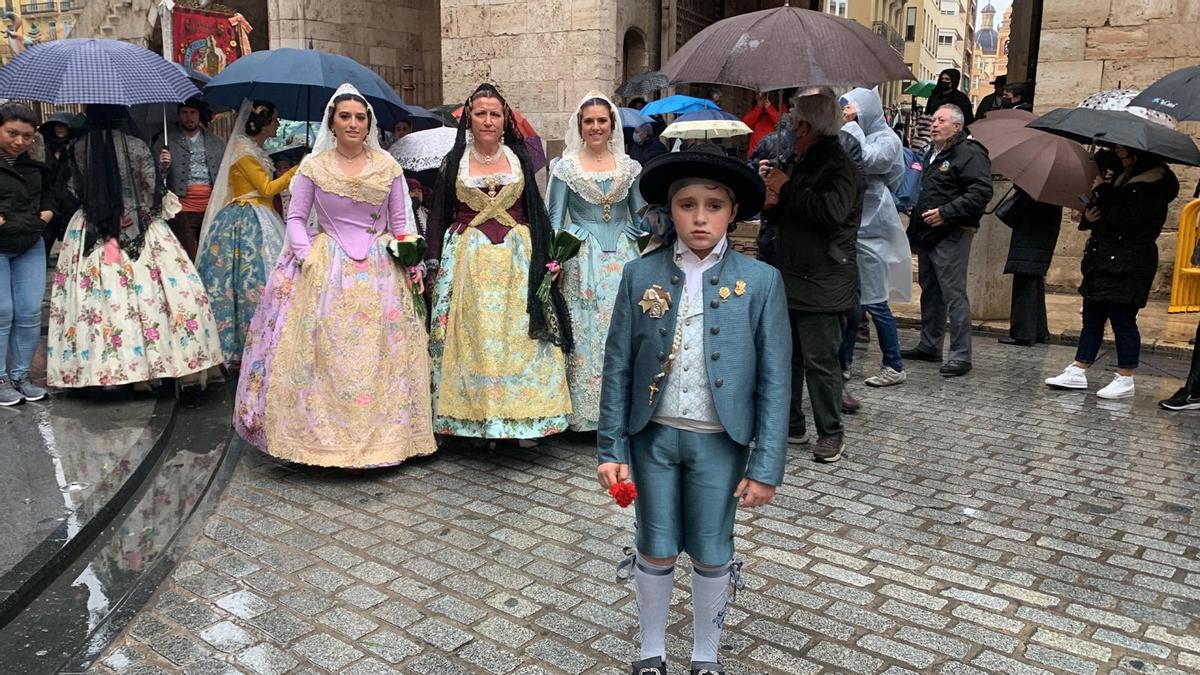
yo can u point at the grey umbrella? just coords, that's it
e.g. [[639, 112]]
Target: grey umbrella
[[1117, 127], [1177, 94], [786, 47], [643, 84]]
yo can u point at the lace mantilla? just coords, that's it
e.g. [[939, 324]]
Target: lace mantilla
[[369, 187], [510, 176], [584, 183]]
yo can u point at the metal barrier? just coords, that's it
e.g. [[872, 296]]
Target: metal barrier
[[1185, 284]]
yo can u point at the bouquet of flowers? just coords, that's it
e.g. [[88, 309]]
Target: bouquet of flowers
[[409, 251], [624, 493], [563, 247]]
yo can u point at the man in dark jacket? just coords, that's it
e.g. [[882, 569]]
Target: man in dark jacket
[[956, 186], [816, 211], [646, 145], [26, 206], [191, 159], [1018, 96], [1034, 235], [947, 91], [992, 101]]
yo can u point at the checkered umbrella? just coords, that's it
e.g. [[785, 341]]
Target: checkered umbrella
[[93, 71]]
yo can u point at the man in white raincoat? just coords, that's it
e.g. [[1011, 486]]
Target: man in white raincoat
[[884, 257]]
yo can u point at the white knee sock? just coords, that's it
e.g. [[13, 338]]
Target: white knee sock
[[653, 585], [710, 597]]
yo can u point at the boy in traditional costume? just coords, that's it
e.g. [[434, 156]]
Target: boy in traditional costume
[[696, 369]]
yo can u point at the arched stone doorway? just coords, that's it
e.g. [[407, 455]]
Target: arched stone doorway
[[635, 58]]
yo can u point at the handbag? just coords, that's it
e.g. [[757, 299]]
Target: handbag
[[1014, 210]]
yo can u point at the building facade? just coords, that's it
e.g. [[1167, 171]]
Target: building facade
[[921, 20], [39, 21]]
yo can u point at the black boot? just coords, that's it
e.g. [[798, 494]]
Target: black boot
[[706, 668]]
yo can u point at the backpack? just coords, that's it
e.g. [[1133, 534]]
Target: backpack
[[910, 185]]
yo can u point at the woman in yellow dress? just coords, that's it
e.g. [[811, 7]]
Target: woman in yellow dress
[[242, 234], [499, 352]]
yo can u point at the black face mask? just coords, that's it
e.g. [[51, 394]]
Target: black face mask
[[943, 86]]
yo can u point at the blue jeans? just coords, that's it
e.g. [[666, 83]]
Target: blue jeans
[[22, 287], [885, 328], [1125, 332]]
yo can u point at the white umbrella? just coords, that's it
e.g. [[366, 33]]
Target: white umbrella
[[707, 129], [424, 150], [1118, 99]]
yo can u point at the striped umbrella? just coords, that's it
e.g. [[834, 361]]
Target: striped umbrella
[[93, 71]]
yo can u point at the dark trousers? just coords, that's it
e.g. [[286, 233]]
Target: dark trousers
[[1123, 319], [942, 273], [1193, 380], [1028, 315], [186, 228], [816, 339]]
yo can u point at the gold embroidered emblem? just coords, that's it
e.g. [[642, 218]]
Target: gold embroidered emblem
[[655, 301], [739, 289], [724, 293]]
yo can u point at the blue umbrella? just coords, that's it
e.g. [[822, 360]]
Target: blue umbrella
[[634, 118], [708, 116], [93, 71], [422, 119], [678, 104], [199, 78], [300, 82]]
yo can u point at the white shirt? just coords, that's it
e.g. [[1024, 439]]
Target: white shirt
[[694, 268], [687, 402]]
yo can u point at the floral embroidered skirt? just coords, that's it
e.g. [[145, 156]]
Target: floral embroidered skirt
[[336, 368], [130, 320], [590, 282], [490, 379], [243, 245]]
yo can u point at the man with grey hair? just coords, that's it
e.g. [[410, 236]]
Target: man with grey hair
[[815, 209], [956, 186]]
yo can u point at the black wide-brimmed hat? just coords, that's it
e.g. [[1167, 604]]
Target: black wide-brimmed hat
[[661, 172]]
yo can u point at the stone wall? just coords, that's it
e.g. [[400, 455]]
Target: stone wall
[[1092, 45], [543, 55], [399, 39]]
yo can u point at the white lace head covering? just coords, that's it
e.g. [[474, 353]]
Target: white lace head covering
[[236, 148], [575, 141], [325, 139]]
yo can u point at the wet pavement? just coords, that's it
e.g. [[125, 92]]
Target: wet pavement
[[82, 600], [65, 460], [977, 524]]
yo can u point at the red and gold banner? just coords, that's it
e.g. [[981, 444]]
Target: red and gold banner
[[203, 40]]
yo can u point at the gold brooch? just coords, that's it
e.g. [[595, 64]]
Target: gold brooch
[[655, 301], [724, 293], [739, 289]]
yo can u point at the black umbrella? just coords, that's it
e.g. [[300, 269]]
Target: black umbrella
[[1118, 127], [1177, 94], [643, 84], [786, 47]]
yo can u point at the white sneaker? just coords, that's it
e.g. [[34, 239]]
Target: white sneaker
[[887, 377], [1120, 387], [1073, 377]]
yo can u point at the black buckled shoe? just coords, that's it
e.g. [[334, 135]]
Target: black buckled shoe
[[706, 668], [655, 665]]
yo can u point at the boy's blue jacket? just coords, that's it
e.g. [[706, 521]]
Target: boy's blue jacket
[[747, 342]]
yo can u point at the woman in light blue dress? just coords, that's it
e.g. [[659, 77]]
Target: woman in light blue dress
[[592, 195]]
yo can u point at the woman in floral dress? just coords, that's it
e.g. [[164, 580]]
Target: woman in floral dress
[[242, 234], [499, 369], [592, 195], [336, 367], [126, 304]]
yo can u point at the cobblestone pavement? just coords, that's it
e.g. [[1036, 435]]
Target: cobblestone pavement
[[978, 524]]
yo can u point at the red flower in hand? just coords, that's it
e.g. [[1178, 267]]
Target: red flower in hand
[[624, 493]]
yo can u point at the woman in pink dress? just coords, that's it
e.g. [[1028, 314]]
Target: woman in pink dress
[[336, 368]]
